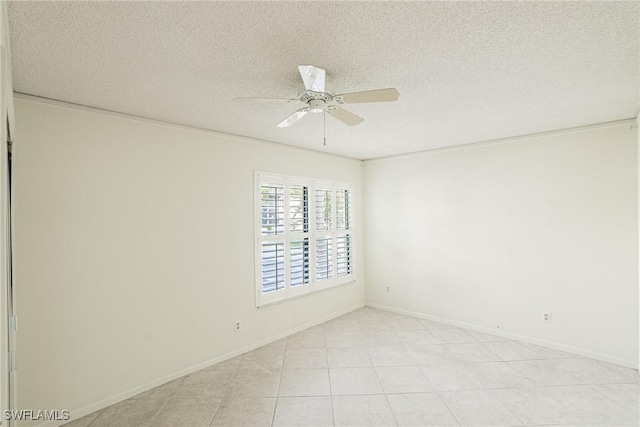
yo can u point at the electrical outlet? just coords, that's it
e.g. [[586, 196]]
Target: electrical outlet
[[546, 317], [236, 326], [388, 288]]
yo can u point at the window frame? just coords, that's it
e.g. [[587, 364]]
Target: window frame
[[313, 285]]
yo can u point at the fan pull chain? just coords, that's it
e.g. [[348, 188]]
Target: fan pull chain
[[324, 127]]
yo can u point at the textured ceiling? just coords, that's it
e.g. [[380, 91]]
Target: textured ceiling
[[466, 71]]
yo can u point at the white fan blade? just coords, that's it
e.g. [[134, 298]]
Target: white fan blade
[[312, 77], [283, 100], [379, 95], [345, 116], [293, 118]]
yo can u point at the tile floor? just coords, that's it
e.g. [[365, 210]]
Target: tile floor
[[375, 368]]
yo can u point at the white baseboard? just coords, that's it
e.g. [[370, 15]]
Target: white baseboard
[[499, 332], [88, 409]]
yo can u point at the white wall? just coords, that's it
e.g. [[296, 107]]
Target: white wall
[[494, 235], [134, 245], [134, 251]]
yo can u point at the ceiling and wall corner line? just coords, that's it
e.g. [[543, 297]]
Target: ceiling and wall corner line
[[519, 138], [95, 110], [632, 121]]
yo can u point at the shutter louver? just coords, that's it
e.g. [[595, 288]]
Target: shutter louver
[[323, 210], [324, 258], [299, 208], [272, 209], [343, 255], [272, 266], [343, 209], [299, 262]]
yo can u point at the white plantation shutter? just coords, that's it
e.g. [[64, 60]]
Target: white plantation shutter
[[343, 255], [344, 241], [272, 196], [323, 209], [298, 236], [272, 266], [324, 258], [299, 208], [343, 209], [300, 262], [304, 232], [324, 213]]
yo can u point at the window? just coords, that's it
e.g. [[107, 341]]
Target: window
[[304, 236]]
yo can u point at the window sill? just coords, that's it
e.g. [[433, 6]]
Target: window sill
[[315, 291]]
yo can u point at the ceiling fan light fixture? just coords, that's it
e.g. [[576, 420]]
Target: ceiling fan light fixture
[[317, 106]]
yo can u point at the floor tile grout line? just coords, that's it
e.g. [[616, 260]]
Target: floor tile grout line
[[94, 420], [382, 388], [576, 414], [386, 397], [333, 415], [275, 408], [637, 387], [483, 345], [448, 408], [591, 386], [159, 410], [507, 408], [224, 395]]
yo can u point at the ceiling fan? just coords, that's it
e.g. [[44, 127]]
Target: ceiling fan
[[319, 100]]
